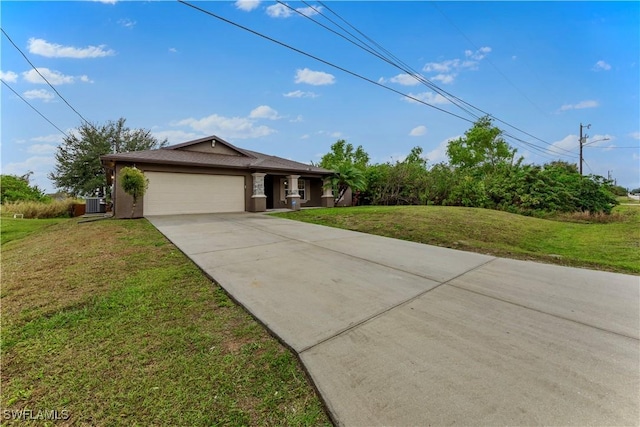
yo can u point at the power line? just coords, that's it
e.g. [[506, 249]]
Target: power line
[[488, 59], [611, 148], [34, 108], [530, 145], [44, 78], [585, 162], [320, 60], [386, 56], [410, 71]]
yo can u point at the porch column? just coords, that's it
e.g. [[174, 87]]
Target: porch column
[[328, 200], [258, 198], [293, 198]]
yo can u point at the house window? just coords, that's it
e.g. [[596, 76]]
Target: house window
[[302, 189]]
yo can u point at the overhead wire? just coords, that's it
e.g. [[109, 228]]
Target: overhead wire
[[585, 162], [611, 148], [271, 39], [386, 55], [45, 79], [398, 63], [34, 108], [228, 21], [415, 74], [504, 76]]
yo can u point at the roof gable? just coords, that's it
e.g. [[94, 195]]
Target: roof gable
[[210, 145]]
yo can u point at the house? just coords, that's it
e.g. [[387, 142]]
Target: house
[[210, 175]]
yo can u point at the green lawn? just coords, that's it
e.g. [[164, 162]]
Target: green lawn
[[612, 246], [110, 323], [14, 229]]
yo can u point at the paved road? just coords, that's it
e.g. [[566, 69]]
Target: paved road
[[399, 333]]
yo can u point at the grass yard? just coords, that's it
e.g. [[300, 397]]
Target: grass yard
[[568, 240], [15, 229], [108, 323]]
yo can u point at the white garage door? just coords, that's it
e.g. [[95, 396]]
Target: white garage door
[[183, 193]]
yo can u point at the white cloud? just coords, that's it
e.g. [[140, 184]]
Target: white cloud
[[226, 127], [247, 5], [106, 1], [568, 143], [439, 154], [316, 78], [418, 131], [279, 10], [176, 136], [444, 78], [306, 136], [601, 140], [300, 94], [41, 149], [580, 105], [55, 137], [264, 112], [405, 79], [309, 11], [52, 50], [9, 76], [601, 66], [479, 54], [42, 94], [442, 67], [428, 97], [173, 50], [127, 23], [331, 134], [54, 77], [449, 68], [635, 135], [298, 119]]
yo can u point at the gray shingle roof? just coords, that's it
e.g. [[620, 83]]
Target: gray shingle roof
[[176, 155]]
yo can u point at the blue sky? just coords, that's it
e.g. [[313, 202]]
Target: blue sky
[[542, 67]]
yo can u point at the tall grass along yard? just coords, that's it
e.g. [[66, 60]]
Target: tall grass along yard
[[107, 323], [602, 242]]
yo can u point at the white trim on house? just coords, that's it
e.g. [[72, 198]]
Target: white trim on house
[[303, 189]]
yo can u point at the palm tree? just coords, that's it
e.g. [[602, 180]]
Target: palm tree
[[346, 176]]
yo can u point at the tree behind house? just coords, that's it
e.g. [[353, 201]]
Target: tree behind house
[[349, 166], [78, 170]]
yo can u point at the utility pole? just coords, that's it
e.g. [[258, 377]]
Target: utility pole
[[582, 140]]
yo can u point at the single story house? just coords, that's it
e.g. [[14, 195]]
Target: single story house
[[210, 175]]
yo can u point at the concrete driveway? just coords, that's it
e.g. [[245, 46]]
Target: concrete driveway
[[399, 333]]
